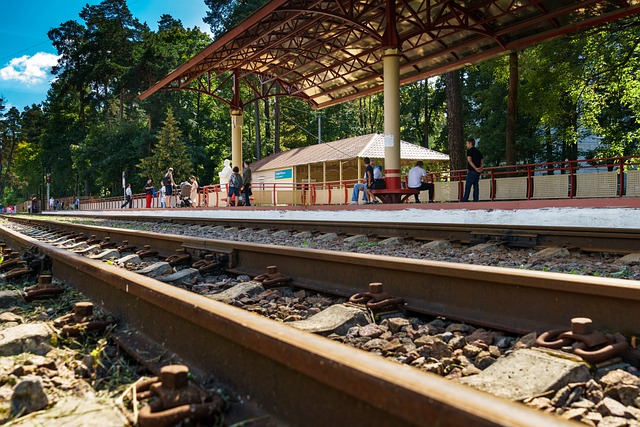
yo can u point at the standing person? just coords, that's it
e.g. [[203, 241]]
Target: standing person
[[193, 195], [52, 203], [168, 183], [235, 184], [475, 164], [148, 192], [417, 180], [246, 181], [76, 204], [34, 204], [224, 175], [163, 197], [128, 194], [368, 180]]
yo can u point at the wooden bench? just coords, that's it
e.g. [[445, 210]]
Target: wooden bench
[[398, 195]]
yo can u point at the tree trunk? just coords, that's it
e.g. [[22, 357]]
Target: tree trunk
[[9, 162], [548, 138], [121, 104], [512, 110], [258, 138], [427, 116], [455, 123], [267, 121]]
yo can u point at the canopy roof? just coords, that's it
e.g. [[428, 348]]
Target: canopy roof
[[330, 51], [371, 145]]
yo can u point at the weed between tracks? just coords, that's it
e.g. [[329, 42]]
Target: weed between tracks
[[87, 365]]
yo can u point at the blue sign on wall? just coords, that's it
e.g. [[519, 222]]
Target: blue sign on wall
[[284, 174]]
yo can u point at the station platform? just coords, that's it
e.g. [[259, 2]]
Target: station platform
[[598, 213]]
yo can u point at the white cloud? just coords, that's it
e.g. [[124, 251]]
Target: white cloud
[[30, 70]]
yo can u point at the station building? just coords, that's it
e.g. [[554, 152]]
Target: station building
[[337, 161]]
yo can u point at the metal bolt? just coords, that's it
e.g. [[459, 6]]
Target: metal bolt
[[174, 376], [581, 325], [44, 279], [83, 309], [375, 288], [272, 269]]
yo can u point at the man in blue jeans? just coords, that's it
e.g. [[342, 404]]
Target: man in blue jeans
[[475, 164], [368, 176]]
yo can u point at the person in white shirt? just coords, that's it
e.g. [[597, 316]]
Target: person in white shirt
[[163, 197], [417, 180], [128, 197], [193, 195]]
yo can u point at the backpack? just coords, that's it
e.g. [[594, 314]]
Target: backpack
[[236, 180]]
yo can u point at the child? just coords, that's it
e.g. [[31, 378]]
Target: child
[[163, 197]]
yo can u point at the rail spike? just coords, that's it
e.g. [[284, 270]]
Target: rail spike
[[592, 346], [175, 400], [376, 299], [272, 278]]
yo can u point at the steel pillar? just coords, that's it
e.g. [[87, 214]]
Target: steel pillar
[[391, 58], [236, 138]]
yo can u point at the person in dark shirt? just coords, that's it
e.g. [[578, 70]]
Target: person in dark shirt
[[148, 192], [475, 164], [246, 181], [368, 178]]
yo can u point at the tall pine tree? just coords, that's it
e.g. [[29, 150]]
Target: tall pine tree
[[169, 152]]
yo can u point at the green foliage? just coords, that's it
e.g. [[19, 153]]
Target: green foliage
[[170, 151], [108, 150], [224, 14]]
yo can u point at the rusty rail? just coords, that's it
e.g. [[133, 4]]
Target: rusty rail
[[301, 378], [590, 239], [510, 299]]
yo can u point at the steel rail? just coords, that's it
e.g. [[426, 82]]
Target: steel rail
[[590, 239], [514, 300], [301, 378]]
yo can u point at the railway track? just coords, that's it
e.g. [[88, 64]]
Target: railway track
[[587, 239], [286, 369]]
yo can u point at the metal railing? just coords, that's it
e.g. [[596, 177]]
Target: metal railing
[[569, 179]]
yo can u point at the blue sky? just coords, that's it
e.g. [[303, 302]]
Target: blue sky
[[26, 53]]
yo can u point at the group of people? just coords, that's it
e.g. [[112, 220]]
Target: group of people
[[418, 179], [238, 185], [239, 188], [165, 192], [373, 180], [55, 205]]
